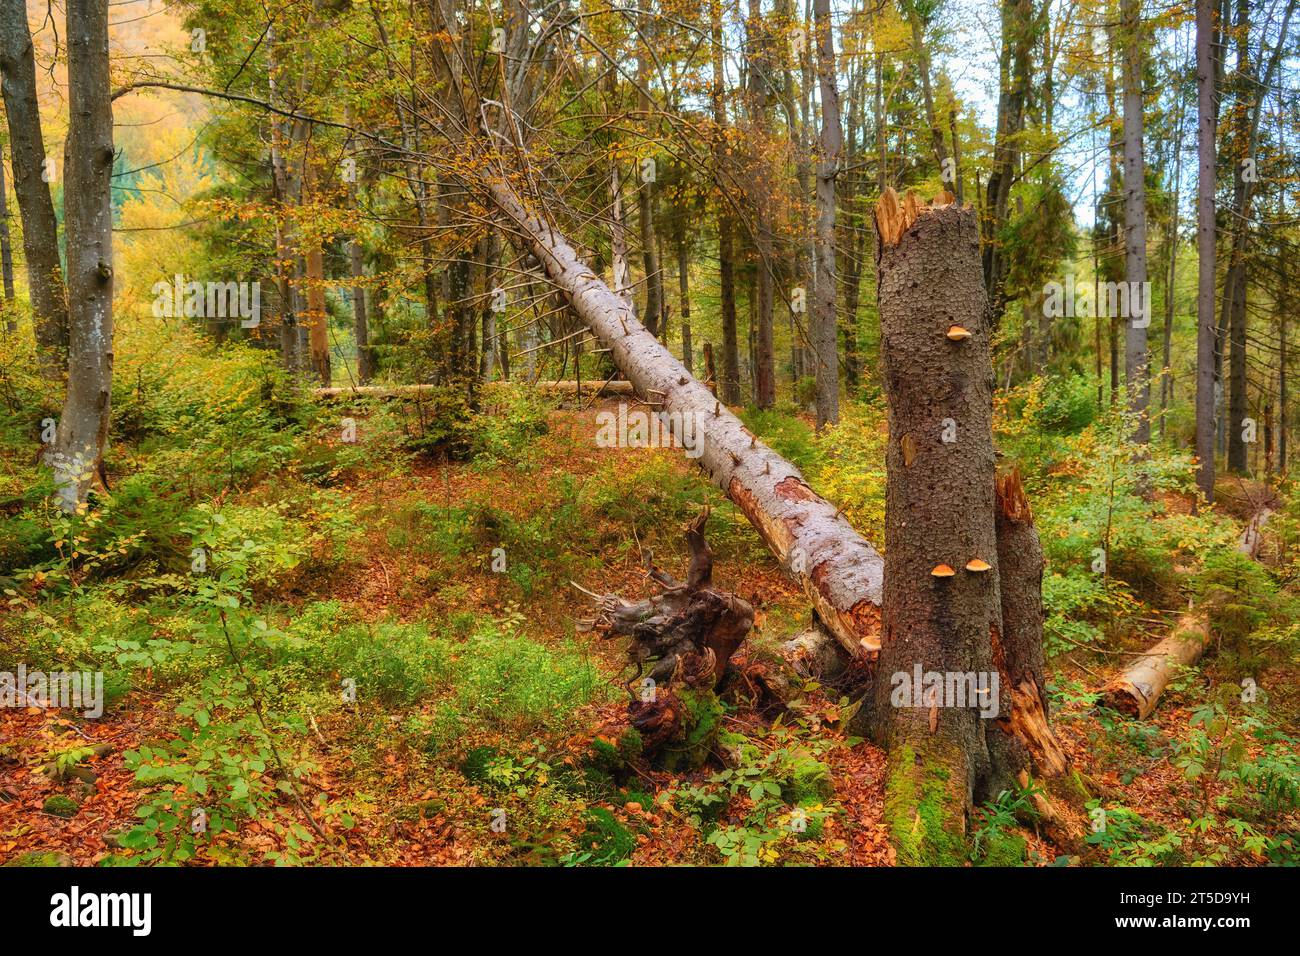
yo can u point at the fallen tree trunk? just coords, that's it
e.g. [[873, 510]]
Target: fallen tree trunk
[[415, 391], [1253, 536], [1136, 690], [840, 572]]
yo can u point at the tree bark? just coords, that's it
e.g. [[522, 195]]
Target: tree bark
[[1136, 361], [1136, 691], [35, 208], [825, 344], [1207, 120], [285, 182], [491, 257], [1026, 736], [360, 318], [6, 256], [561, 387], [647, 205], [726, 254], [943, 600], [317, 316], [684, 296], [83, 425], [762, 192], [357, 271]]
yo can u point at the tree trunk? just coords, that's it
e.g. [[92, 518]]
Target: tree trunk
[[6, 256], [1019, 26], [922, 54], [762, 192], [31, 188], [684, 296], [357, 272], [1283, 387], [286, 187], [618, 237], [1171, 284], [824, 325], [1207, 120], [726, 254], [491, 255], [1246, 116], [647, 207], [1136, 362], [943, 623], [360, 318], [83, 425], [317, 316], [838, 570], [1026, 736], [563, 387]]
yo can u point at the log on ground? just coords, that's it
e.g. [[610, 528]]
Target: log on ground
[[1136, 691]]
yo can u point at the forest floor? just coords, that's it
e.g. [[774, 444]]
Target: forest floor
[[490, 759]]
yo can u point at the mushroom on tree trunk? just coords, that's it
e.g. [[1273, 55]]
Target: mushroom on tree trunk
[[956, 682]]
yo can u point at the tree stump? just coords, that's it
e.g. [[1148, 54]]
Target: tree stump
[[957, 696], [686, 635]]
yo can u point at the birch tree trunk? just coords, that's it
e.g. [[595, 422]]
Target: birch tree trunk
[[32, 191], [83, 425], [838, 570]]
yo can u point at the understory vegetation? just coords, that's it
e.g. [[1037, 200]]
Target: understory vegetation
[[318, 650]]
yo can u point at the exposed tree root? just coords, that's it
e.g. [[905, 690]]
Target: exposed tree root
[[687, 635]]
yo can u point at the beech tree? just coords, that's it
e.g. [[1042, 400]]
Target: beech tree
[[88, 159], [33, 172]]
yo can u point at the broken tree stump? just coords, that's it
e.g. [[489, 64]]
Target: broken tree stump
[[1018, 649], [955, 732], [687, 634]]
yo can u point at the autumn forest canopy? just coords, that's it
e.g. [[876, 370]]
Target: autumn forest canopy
[[681, 433]]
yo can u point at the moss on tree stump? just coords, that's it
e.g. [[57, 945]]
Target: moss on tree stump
[[701, 720]]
